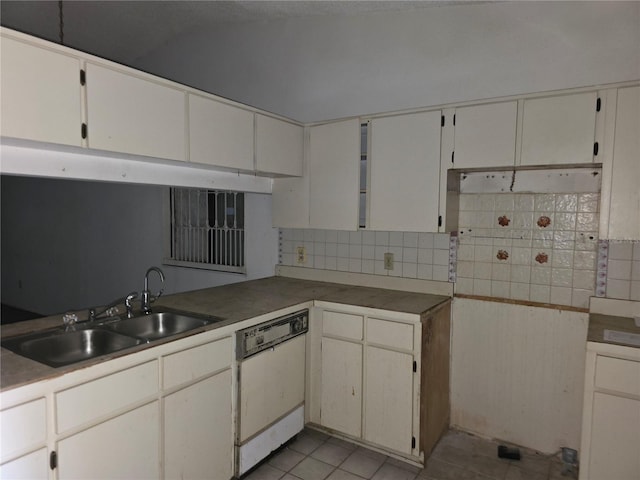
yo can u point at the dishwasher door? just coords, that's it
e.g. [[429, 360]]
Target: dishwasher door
[[271, 386]]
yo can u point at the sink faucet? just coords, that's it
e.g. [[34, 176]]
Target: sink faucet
[[111, 309], [146, 297]]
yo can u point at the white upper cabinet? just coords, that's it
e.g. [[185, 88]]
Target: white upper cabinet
[[485, 135], [404, 166], [279, 146], [622, 178], [220, 134], [559, 130], [334, 172], [40, 94], [130, 114]]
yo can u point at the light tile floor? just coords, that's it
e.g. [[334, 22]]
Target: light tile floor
[[316, 456]]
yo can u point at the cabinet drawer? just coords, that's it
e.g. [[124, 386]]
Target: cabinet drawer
[[618, 375], [342, 325], [102, 396], [196, 362], [22, 427], [390, 334]]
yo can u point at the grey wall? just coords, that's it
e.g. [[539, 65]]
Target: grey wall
[[73, 244], [326, 67]]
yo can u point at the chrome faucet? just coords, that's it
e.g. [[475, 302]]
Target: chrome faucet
[[146, 297], [111, 309]]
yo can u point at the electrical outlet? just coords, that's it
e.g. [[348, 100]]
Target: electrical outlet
[[388, 261], [301, 256]]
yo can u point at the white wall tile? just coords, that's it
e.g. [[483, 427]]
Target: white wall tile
[[587, 222], [540, 293], [544, 202], [482, 270], [562, 259], [584, 260], [519, 291], [410, 255], [331, 249], [425, 272], [635, 291], [331, 263], [501, 273], [355, 251], [636, 250], [524, 203], [355, 238], [368, 252], [319, 235], [395, 239], [521, 274], [410, 239], [308, 234], [425, 256], [635, 270], [410, 270], [618, 289], [464, 269], [343, 250], [367, 266], [541, 275], [464, 286], [378, 268], [500, 289], [483, 253], [619, 269], [368, 237], [286, 234], [441, 241], [331, 236], [382, 238], [343, 236], [566, 202], [588, 202], [562, 277], [425, 240], [584, 279], [440, 257], [560, 295], [565, 221], [580, 298], [355, 265], [441, 273], [482, 287], [343, 264], [319, 262], [620, 250], [319, 248]]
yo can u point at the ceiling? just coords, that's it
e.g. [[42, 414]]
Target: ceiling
[[124, 31]]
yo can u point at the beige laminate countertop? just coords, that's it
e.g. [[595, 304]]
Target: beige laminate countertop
[[598, 323], [233, 303]]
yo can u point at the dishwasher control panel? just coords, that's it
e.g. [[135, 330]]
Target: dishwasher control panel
[[269, 334]]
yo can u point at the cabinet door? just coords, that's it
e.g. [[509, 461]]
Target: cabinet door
[[485, 135], [615, 438], [198, 430], [405, 172], [341, 399], [40, 94], [334, 172], [133, 115], [279, 146], [125, 447], [557, 130], [220, 134], [624, 206], [388, 414], [33, 466]]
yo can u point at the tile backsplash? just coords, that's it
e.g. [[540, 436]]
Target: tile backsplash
[[623, 270], [423, 256], [526, 246]]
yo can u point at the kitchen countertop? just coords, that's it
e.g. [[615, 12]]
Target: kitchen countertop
[[598, 323], [234, 303]]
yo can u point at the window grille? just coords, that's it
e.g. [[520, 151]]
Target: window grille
[[207, 229]]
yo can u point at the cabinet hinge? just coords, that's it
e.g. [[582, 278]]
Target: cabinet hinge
[[442, 120], [454, 119], [83, 77], [53, 460], [439, 220], [595, 149], [598, 104], [413, 442], [415, 366], [83, 130]]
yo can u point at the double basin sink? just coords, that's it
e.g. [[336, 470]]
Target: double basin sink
[[64, 346]]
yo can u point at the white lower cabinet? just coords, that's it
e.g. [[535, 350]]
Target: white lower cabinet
[[341, 401], [198, 430], [388, 419], [33, 466], [369, 380], [611, 413], [124, 447]]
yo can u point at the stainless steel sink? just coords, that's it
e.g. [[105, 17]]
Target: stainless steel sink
[[61, 348], [159, 325]]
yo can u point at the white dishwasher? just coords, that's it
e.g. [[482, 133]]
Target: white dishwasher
[[271, 362]]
